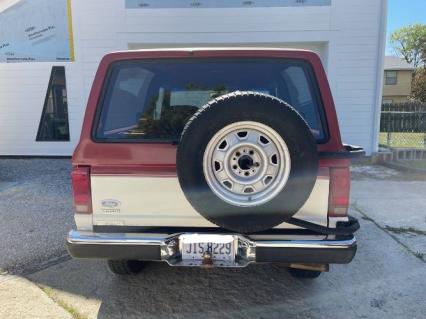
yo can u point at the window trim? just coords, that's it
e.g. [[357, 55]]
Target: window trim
[[387, 77], [311, 77], [46, 98]]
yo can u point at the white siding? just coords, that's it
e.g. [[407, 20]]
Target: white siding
[[22, 93], [347, 35]]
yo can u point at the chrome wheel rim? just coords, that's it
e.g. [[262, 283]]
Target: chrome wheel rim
[[246, 163]]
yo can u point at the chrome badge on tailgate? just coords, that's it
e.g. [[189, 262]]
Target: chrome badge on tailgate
[[110, 206]]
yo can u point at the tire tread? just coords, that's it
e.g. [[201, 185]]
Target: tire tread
[[209, 107]]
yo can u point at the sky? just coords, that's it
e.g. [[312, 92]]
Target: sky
[[404, 12]]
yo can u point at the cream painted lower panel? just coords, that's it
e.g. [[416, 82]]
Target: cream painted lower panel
[[84, 221], [159, 201]]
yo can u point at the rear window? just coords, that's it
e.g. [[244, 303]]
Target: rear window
[[152, 100]]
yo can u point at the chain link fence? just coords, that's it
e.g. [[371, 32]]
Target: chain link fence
[[403, 125]]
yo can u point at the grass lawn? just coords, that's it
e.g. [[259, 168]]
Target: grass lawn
[[404, 140]]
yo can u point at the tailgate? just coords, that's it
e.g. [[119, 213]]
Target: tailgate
[[135, 200]]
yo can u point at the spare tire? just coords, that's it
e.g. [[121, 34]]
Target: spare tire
[[247, 161]]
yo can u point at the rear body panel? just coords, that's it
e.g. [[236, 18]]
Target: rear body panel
[[141, 177], [159, 201]]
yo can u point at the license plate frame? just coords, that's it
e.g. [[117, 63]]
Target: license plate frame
[[221, 247]]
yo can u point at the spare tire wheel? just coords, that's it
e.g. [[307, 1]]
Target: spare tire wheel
[[247, 161]]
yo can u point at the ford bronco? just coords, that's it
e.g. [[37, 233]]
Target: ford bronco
[[212, 158]]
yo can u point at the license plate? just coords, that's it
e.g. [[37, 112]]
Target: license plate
[[220, 247]]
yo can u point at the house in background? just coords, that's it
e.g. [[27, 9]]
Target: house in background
[[397, 80]]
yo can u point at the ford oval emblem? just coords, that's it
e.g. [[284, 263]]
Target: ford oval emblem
[[111, 203]]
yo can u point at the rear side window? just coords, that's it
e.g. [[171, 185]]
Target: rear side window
[[152, 100]]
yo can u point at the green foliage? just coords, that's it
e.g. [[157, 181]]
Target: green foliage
[[418, 87], [169, 125], [410, 43]]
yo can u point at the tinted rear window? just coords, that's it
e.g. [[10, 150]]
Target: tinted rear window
[[153, 100]]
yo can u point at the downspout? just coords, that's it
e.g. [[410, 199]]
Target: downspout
[[379, 74]]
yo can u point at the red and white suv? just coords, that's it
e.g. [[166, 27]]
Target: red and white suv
[[212, 157]]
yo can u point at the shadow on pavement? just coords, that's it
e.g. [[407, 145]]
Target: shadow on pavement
[[165, 292], [375, 285]]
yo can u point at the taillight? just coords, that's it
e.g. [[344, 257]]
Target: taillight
[[80, 177], [339, 192]]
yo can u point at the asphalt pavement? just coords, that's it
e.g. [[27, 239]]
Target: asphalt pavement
[[35, 212], [383, 281], [387, 278]]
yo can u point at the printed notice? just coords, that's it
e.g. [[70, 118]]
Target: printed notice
[[163, 4], [36, 31]]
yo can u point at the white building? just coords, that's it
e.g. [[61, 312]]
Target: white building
[[349, 35]]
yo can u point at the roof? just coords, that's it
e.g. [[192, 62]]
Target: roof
[[236, 48], [396, 63]]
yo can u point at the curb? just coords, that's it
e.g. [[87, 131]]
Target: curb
[[404, 168], [21, 298]]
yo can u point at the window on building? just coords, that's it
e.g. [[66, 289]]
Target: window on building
[[54, 119], [391, 77]]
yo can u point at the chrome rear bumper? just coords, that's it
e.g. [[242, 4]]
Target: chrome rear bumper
[[165, 247]]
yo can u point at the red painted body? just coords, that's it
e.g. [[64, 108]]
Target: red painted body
[[160, 159], [138, 159]]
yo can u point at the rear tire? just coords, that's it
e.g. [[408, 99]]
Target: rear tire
[[303, 273], [125, 267]]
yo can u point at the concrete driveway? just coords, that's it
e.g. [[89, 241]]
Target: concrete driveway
[[386, 279]]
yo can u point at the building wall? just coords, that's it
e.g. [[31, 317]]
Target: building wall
[[402, 89], [23, 89], [395, 98], [348, 35]]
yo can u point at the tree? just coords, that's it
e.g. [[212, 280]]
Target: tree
[[419, 85], [410, 43]]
